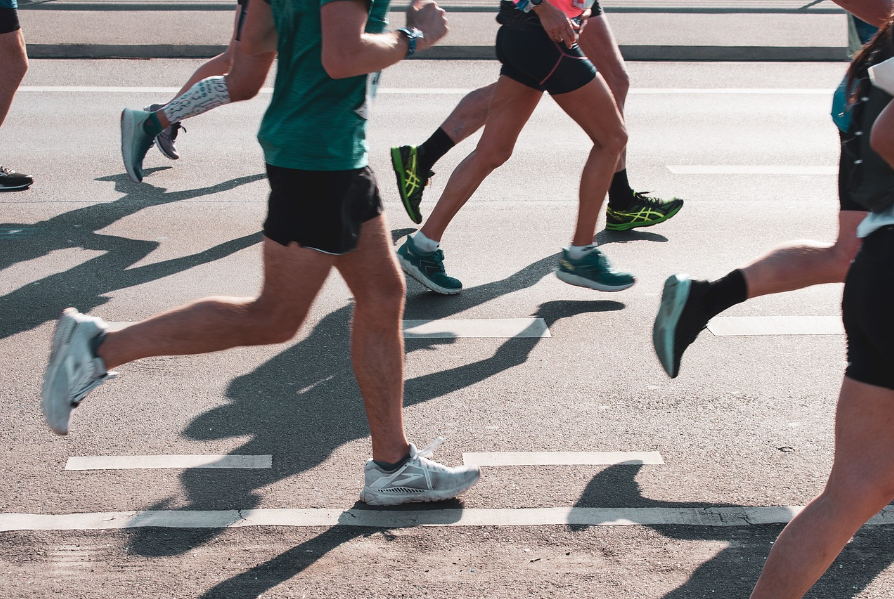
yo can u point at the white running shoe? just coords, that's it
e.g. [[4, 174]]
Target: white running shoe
[[74, 370], [419, 479]]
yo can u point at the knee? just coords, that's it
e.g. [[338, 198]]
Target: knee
[[615, 140], [271, 324], [16, 65], [843, 252], [386, 300], [240, 90], [493, 157]]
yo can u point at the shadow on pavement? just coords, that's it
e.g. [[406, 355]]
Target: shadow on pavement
[[85, 285]]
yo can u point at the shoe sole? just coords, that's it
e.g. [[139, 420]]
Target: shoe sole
[[673, 300], [15, 187], [371, 497], [417, 275], [628, 226], [127, 129], [62, 335], [398, 164], [579, 281]]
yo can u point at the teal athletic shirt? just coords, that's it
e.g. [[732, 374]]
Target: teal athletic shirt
[[314, 122]]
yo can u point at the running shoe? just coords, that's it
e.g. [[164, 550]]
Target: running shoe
[[681, 317], [593, 271], [74, 369], [135, 142], [419, 479], [9, 179], [165, 142], [427, 268], [644, 211], [410, 182]]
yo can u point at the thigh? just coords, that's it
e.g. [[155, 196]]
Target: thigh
[[600, 47], [293, 276], [372, 269], [594, 109], [248, 73], [510, 108]]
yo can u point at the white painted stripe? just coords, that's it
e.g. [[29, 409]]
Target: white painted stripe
[[428, 90], [693, 516], [724, 326], [134, 462], [745, 169], [561, 458], [479, 327]]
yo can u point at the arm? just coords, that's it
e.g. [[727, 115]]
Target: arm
[[348, 51], [259, 31], [875, 12]]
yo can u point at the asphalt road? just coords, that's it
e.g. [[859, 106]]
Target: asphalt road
[[747, 423]]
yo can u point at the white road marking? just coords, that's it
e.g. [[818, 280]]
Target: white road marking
[[748, 169], [685, 516], [479, 327], [134, 462], [429, 90], [776, 325], [561, 458]]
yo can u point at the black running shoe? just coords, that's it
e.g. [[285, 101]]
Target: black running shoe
[[644, 211], [680, 319], [9, 179]]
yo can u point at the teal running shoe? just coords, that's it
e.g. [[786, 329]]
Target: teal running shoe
[[410, 181], [593, 271], [680, 319], [135, 142], [427, 268]]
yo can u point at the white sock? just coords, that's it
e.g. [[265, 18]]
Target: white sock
[[576, 252], [200, 98], [425, 244]]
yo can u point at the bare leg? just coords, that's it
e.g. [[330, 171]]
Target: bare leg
[[470, 114], [14, 59], [593, 108], [510, 109], [292, 278], [860, 484], [801, 264], [377, 345], [598, 43], [248, 74]]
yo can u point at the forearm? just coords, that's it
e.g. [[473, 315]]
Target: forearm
[[372, 52]]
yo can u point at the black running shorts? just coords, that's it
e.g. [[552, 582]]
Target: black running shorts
[[530, 57], [243, 12], [9, 19], [320, 210], [845, 164], [868, 311], [595, 10]]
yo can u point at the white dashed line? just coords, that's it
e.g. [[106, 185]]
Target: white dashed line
[[135, 462]]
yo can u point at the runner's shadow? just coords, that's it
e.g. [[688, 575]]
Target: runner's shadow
[[734, 571], [84, 286], [605, 236]]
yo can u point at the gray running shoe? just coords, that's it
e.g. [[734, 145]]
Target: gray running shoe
[[165, 142], [135, 142], [419, 479], [9, 179], [74, 369]]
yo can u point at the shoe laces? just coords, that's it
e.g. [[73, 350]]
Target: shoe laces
[[6, 170], [643, 197], [175, 128]]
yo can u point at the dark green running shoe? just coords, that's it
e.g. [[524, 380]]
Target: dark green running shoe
[[427, 268], [645, 211], [593, 271], [410, 182]]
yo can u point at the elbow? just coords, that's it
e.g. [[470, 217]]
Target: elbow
[[882, 142], [337, 66]]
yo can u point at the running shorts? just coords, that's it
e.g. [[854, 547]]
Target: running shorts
[[320, 210], [9, 16], [530, 57], [596, 10], [243, 12], [868, 311]]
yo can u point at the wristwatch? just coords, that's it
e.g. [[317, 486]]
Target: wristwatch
[[412, 35], [535, 2]]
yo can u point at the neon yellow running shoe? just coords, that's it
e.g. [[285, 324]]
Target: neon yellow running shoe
[[644, 211], [410, 182]]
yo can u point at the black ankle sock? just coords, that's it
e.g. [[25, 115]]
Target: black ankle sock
[[725, 293], [433, 149], [389, 467], [620, 194]]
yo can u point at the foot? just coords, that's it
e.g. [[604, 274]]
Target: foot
[[166, 140], [9, 179], [74, 369], [593, 271], [427, 268], [135, 142], [419, 479], [410, 182], [681, 317], [644, 211]]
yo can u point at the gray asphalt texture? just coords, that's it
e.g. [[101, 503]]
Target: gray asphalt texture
[[748, 421]]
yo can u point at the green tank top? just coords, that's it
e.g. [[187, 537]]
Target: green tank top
[[315, 122]]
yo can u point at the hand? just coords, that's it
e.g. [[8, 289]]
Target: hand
[[430, 19], [582, 19], [558, 27]]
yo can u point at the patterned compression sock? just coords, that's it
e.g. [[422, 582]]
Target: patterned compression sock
[[433, 149], [200, 98]]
